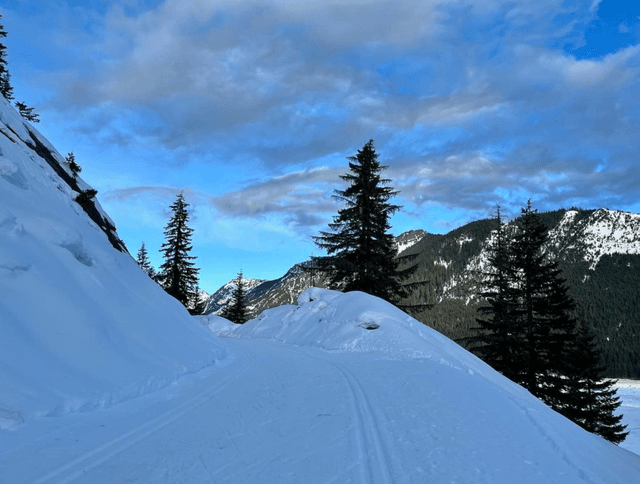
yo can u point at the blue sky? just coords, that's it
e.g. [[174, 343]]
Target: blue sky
[[251, 107]]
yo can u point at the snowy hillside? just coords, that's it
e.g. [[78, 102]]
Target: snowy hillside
[[409, 239], [603, 232], [82, 326], [339, 388]]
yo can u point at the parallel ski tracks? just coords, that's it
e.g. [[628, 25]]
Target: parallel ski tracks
[[75, 468], [373, 454]]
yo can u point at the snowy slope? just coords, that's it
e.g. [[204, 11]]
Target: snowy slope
[[82, 326], [603, 232]]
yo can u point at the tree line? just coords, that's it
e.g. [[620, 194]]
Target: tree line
[[6, 89]]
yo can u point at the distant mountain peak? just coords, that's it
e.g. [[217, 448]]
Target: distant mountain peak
[[409, 239]]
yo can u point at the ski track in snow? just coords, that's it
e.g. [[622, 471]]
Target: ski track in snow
[[286, 414], [77, 467], [373, 454]]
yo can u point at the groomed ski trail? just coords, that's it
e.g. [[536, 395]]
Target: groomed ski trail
[[77, 467]]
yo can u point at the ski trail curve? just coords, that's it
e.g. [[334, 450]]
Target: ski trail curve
[[75, 468]]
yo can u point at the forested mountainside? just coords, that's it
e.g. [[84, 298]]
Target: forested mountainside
[[598, 251]]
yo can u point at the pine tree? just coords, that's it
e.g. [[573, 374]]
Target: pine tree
[[361, 252], [144, 263], [236, 310], [544, 313], [5, 79], [73, 166], [198, 305], [27, 113], [593, 399], [498, 342], [178, 274]]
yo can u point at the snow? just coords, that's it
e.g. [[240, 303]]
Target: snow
[[104, 378], [82, 326], [629, 393]]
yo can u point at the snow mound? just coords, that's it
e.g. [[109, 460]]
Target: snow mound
[[82, 326], [356, 322], [217, 324]]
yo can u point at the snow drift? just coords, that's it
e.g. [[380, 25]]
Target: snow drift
[[355, 322], [81, 324]]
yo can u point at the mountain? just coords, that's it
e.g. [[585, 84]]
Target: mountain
[[217, 301], [266, 294], [82, 326], [598, 251], [409, 239]]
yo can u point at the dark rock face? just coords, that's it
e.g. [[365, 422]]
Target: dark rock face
[[88, 206]]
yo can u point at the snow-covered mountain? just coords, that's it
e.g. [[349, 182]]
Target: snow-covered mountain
[[596, 249], [598, 252], [217, 301], [81, 325], [409, 239]]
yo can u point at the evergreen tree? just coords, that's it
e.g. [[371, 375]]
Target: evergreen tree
[[73, 166], [178, 274], [544, 313], [144, 263], [593, 399], [528, 331], [361, 252], [27, 113], [498, 342], [5, 79], [198, 305], [236, 310]]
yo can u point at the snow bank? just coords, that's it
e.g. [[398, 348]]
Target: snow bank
[[357, 322], [217, 324], [82, 326]]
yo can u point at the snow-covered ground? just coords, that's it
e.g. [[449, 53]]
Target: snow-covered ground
[[294, 403], [629, 393]]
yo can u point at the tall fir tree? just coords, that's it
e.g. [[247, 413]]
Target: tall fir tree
[[544, 314], [178, 274], [361, 251], [5, 79], [498, 343], [527, 330], [144, 262], [236, 310]]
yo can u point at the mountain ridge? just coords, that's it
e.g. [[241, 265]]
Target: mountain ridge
[[593, 247]]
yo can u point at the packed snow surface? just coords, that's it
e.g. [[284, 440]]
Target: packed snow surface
[[293, 403], [629, 393]]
